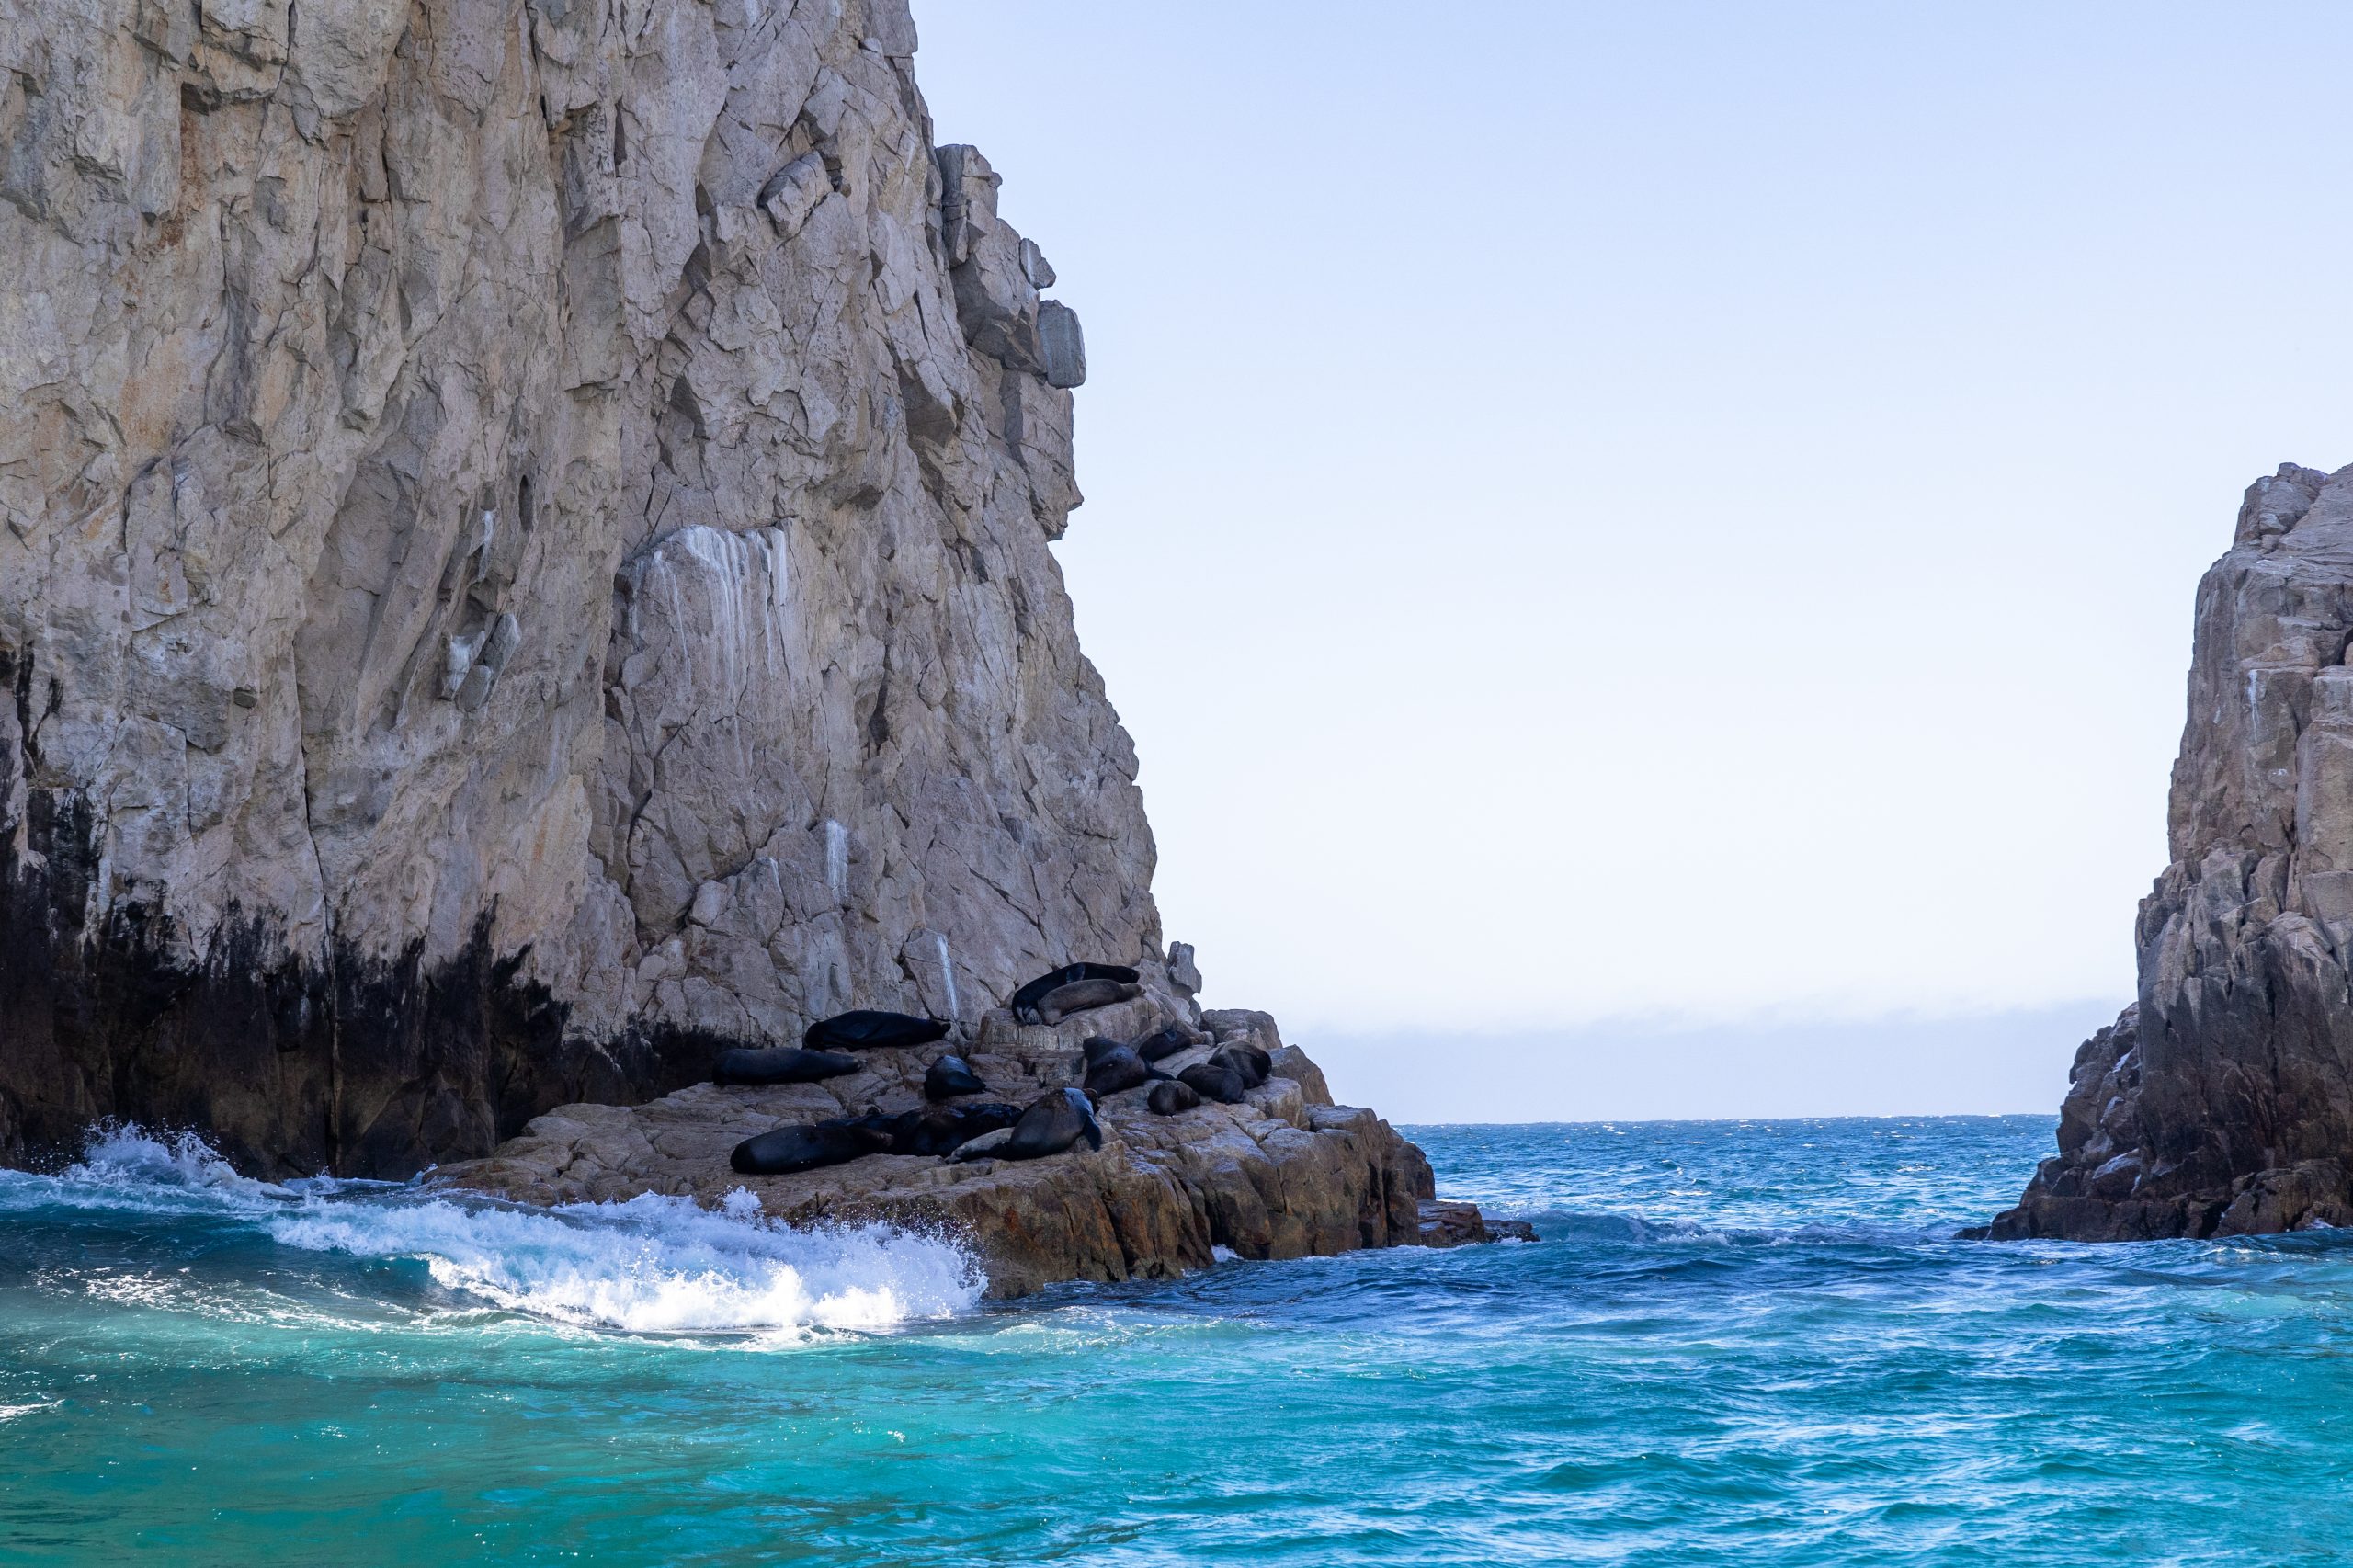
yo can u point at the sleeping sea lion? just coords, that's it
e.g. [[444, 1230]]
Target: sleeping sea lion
[[1172, 1097], [943, 1128], [1081, 995], [985, 1147], [1214, 1081], [951, 1076], [1114, 1071], [1095, 1047], [1165, 1040], [784, 1064], [1255, 1065], [866, 1030], [787, 1149], [1053, 1122], [1025, 1001]]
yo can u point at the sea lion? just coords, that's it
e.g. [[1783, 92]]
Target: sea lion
[[951, 1076], [1255, 1065], [784, 1149], [784, 1064], [1095, 1047], [1165, 1040], [866, 1030], [1172, 1097], [1053, 1122], [943, 1128], [1214, 1081], [1115, 1070], [1081, 994], [984, 1147], [1025, 1001]]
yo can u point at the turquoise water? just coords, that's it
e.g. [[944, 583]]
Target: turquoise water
[[1738, 1344]]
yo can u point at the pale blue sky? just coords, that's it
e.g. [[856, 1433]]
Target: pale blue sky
[[1605, 517]]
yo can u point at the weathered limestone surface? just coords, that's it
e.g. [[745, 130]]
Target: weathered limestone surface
[[526, 555], [2221, 1103], [1287, 1174]]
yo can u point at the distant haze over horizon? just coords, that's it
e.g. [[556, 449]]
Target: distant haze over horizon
[[1684, 514], [1998, 1063]]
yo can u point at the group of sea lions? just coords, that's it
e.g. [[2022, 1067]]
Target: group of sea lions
[[1231, 1072], [992, 1130]]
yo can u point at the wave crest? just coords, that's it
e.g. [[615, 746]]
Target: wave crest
[[124, 1156], [654, 1264], [651, 1265]]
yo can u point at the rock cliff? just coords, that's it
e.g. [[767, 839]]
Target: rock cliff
[[526, 558], [2222, 1101]]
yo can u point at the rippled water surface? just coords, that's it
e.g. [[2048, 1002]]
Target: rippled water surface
[[1736, 1344]]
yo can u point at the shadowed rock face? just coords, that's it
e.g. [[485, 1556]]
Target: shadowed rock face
[[2221, 1102], [526, 556]]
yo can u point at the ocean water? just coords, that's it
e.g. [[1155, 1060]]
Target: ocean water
[[1737, 1342]]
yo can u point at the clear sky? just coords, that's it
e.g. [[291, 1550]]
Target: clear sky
[[1650, 540]]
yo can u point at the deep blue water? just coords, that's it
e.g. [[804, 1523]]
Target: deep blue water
[[1738, 1343]]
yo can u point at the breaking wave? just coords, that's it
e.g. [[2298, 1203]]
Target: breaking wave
[[651, 1265]]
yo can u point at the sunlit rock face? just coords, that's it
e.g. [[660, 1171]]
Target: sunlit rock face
[[2221, 1102], [526, 555]]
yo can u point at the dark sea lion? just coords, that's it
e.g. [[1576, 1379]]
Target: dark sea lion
[[951, 1076], [942, 1128], [787, 1148], [866, 1030], [1214, 1081], [1053, 1122], [1095, 1047], [1255, 1065], [784, 1064], [1025, 1001], [1172, 1097], [1081, 994], [1114, 1071], [1165, 1040]]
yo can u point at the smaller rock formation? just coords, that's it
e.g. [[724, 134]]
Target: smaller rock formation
[[1280, 1172], [1462, 1224]]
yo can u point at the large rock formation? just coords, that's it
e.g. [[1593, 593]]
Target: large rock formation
[[2221, 1102], [526, 557]]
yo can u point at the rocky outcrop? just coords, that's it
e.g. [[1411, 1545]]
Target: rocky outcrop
[[1284, 1174], [2221, 1102], [526, 558]]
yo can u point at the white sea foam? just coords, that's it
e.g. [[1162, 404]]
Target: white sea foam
[[651, 1265]]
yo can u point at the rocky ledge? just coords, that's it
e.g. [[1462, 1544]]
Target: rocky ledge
[[1283, 1173]]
